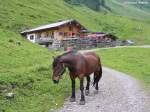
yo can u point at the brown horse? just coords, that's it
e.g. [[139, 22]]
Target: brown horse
[[79, 65]]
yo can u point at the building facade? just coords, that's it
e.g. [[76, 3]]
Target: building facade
[[55, 31]]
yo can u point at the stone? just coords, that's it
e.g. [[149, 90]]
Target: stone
[[10, 95]]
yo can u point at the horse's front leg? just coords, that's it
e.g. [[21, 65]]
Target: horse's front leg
[[82, 101], [72, 99]]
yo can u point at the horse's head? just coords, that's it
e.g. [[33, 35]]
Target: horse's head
[[58, 69]]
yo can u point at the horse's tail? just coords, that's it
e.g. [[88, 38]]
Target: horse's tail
[[97, 75]]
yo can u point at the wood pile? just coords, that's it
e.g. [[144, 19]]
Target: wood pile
[[83, 43]]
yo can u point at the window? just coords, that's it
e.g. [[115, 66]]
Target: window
[[61, 33], [65, 34], [31, 37], [73, 34], [70, 28]]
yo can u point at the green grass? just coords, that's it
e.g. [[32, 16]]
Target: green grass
[[28, 68], [133, 61]]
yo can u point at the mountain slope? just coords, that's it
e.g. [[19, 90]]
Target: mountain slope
[[139, 10], [24, 14], [141, 4], [129, 9]]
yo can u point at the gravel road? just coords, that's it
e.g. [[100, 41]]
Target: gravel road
[[118, 92]]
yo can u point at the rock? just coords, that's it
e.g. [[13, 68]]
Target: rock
[[10, 95], [18, 42], [52, 110], [3, 89], [13, 85]]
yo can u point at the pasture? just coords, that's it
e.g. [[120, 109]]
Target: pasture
[[26, 71], [133, 61]]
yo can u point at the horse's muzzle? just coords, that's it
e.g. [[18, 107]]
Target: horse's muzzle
[[55, 81]]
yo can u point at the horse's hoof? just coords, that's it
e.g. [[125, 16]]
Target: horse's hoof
[[82, 103], [96, 92], [72, 99], [87, 92]]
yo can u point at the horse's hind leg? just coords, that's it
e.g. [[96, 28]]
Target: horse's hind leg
[[97, 77], [82, 101], [96, 80], [87, 86]]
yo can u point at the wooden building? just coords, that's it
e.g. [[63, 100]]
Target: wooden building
[[69, 33], [56, 31]]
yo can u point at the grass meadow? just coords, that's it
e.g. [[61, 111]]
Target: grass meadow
[[26, 70], [133, 61]]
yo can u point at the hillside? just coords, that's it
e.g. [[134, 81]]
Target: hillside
[[25, 68], [142, 4], [131, 9], [23, 14]]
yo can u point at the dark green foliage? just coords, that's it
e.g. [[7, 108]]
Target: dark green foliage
[[93, 4]]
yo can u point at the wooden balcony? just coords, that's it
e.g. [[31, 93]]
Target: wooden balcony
[[44, 40]]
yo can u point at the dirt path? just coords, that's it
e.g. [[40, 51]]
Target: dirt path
[[118, 92]]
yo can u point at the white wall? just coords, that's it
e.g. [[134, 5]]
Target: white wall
[[57, 36]]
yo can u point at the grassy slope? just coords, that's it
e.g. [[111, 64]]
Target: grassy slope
[[27, 66], [24, 14], [134, 61], [119, 7]]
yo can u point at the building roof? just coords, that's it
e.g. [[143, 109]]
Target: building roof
[[50, 26]]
